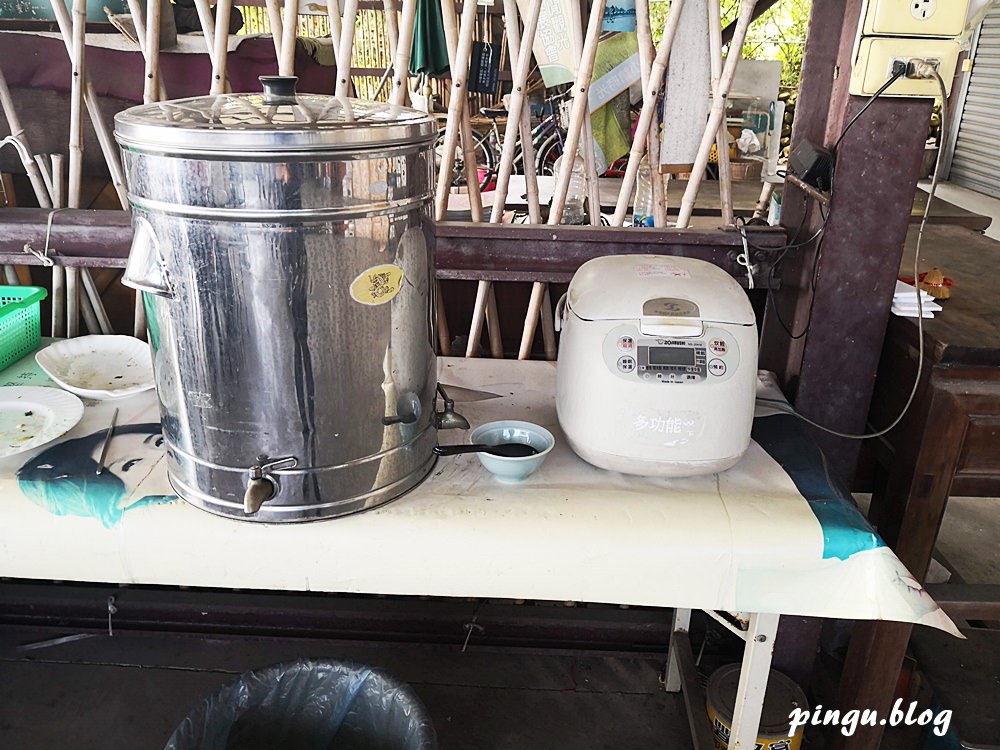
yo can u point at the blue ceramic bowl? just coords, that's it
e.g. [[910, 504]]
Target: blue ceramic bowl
[[512, 470]]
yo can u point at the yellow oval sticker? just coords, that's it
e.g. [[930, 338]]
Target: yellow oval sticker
[[377, 285]]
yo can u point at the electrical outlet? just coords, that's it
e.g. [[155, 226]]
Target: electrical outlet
[[875, 55], [942, 18]]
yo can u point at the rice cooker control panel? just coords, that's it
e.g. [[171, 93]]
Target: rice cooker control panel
[[711, 357]]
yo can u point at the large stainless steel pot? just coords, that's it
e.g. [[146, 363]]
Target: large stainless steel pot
[[283, 245]]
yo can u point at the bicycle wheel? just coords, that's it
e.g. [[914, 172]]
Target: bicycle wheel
[[485, 159], [550, 150]]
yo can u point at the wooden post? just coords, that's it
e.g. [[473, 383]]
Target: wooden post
[[722, 141], [346, 48], [717, 115], [656, 73], [222, 10], [402, 61]]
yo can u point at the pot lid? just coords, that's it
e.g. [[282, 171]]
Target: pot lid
[[636, 287], [277, 119]]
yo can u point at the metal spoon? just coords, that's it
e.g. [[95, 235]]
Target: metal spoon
[[504, 450]]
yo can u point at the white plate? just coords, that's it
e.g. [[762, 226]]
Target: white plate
[[31, 416], [99, 367]]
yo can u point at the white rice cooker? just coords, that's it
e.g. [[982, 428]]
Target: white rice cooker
[[657, 365]]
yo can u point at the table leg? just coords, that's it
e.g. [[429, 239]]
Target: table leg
[[753, 681], [682, 623]]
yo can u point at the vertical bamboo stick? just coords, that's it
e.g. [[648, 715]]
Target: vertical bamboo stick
[[450, 24], [649, 96], [17, 131], [346, 48], [459, 80], [587, 138], [577, 128], [222, 11], [717, 115], [645, 38], [585, 70], [108, 146], [135, 9], [392, 26], [402, 61], [493, 325], [722, 140], [514, 110], [58, 272], [152, 51], [76, 153], [277, 32], [207, 26], [763, 200], [289, 33], [336, 29], [516, 114]]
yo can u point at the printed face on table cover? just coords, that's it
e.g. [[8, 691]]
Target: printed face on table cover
[[63, 478]]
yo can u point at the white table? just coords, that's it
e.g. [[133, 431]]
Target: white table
[[745, 541]]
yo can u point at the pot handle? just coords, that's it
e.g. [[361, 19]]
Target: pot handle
[[560, 309], [146, 270]]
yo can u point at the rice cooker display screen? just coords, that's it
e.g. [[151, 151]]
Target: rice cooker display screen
[[665, 355]]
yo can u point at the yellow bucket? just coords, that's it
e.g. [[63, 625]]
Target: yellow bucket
[[783, 696]]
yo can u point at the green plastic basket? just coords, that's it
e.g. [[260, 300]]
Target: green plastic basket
[[20, 322]]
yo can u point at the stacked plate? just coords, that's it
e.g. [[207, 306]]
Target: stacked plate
[[94, 367]]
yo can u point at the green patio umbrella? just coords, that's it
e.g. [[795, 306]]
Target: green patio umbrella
[[429, 52]]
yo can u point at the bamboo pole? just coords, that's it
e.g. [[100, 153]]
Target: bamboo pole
[[717, 115], [485, 298], [587, 138], [579, 117], [450, 25], [392, 26], [763, 200], [645, 39], [516, 114], [78, 61], [289, 33], [222, 11], [336, 29], [459, 80], [722, 140], [135, 9], [151, 89], [346, 48], [58, 272], [649, 96], [207, 26], [274, 20], [42, 193], [402, 62], [514, 110], [104, 138], [585, 70]]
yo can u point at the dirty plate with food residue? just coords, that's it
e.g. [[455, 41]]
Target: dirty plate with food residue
[[31, 416], [99, 367]]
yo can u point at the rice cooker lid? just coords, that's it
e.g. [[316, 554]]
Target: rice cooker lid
[[633, 287], [278, 119]]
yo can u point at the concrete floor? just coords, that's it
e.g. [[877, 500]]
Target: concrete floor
[[129, 692]]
